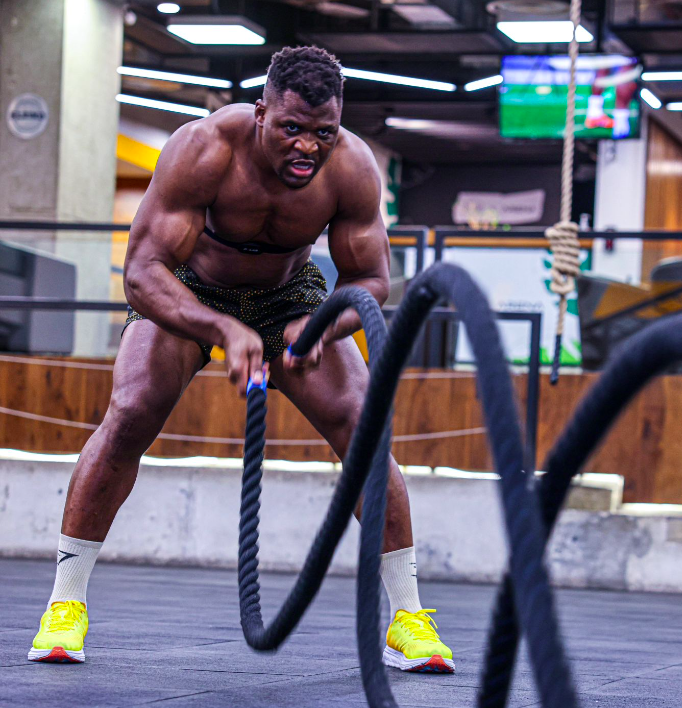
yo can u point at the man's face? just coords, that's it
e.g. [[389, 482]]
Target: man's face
[[297, 139]]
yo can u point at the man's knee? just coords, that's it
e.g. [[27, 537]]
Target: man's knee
[[340, 418], [134, 418]]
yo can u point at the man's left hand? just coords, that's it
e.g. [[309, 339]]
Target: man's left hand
[[345, 324]]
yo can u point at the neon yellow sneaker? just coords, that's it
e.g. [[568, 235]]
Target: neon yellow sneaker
[[412, 644], [62, 632]]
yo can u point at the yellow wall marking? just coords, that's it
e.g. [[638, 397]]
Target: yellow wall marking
[[136, 153]]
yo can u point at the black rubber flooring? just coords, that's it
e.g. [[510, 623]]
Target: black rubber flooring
[[172, 636]]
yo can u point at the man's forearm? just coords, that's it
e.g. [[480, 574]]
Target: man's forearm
[[154, 292]]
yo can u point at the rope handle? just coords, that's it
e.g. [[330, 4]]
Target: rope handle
[[263, 385]]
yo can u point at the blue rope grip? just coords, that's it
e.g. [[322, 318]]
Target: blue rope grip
[[263, 385], [291, 351]]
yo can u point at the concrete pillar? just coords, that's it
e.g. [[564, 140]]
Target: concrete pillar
[[65, 52], [619, 205]]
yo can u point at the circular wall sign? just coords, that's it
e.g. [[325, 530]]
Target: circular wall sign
[[27, 116]]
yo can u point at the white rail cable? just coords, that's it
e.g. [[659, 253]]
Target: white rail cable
[[11, 359], [237, 441]]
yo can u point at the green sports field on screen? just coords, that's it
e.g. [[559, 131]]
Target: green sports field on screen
[[534, 97]]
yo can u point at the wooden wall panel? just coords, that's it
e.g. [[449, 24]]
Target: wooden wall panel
[[645, 445], [663, 210]]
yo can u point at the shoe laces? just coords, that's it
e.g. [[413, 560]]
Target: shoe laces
[[64, 615], [421, 624]]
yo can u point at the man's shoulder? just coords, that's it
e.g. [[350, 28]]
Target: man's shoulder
[[227, 125], [354, 162], [353, 147], [211, 140]]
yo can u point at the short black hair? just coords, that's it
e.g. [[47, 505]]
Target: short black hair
[[311, 72]]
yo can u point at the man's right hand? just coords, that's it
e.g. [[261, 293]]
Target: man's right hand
[[243, 356]]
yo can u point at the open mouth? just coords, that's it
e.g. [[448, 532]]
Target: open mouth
[[302, 168]]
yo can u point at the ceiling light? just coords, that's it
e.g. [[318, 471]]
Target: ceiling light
[[255, 81], [543, 31], [410, 123], [675, 106], [483, 83], [217, 30], [443, 128], [169, 76], [394, 79], [662, 76], [163, 105], [650, 99], [370, 76], [168, 8]]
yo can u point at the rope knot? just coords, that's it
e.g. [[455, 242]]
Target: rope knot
[[565, 246]]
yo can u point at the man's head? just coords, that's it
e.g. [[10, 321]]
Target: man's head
[[300, 112]]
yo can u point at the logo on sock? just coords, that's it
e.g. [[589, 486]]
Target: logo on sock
[[66, 555], [413, 567]]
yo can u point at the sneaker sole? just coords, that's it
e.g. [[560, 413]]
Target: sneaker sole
[[435, 664], [57, 655]]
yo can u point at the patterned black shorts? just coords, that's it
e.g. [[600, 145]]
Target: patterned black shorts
[[268, 312]]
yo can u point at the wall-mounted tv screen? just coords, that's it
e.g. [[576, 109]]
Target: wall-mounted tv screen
[[534, 94]]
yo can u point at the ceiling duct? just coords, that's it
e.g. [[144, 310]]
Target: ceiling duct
[[512, 10], [424, 16], [342, 10]]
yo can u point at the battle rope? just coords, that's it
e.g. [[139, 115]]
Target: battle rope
[[533, 599], [345, 497], [563, 236], [645, 355]]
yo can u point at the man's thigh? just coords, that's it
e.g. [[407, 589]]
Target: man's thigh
[[154, 365], [330, 396]]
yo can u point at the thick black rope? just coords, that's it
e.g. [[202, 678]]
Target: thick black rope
[[533, 596], [341, 508], [643, 357]]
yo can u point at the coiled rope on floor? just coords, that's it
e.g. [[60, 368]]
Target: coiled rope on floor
[[369, 449], [644, 356]]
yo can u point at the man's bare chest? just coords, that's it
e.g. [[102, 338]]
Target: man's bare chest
[[292, 218]]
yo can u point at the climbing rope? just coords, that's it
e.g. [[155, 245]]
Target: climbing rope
[[563, 236], [646, 355], [367, 460]]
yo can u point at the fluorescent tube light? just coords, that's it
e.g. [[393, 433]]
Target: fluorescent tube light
[[163, 105], [662, 76], [217, 29], [169, 76], [411, 123], [255, 81], [543, 31], [483, 83], [650, 99], [675, 106], [168, 8], [394, 79], [371, 76]]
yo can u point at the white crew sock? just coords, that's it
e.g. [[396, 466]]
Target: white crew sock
[[621, 125], [75, 561], [595, 106], [399, 573]]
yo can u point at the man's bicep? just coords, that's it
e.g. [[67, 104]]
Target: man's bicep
[[172, 214], [165, 233], [359, 249]]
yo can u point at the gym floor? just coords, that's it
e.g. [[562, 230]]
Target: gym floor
[[172, 635]]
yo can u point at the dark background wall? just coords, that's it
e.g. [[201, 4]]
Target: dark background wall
[[428, 192]]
